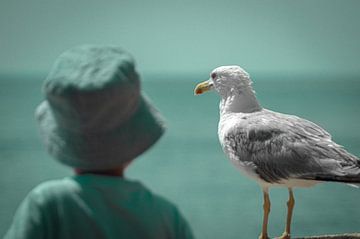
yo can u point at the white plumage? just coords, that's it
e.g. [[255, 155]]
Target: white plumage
[[274, 149]]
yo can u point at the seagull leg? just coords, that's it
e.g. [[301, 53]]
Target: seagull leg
[[290, 205], [266, 207]]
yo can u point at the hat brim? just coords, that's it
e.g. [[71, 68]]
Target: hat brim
[[103, 150]]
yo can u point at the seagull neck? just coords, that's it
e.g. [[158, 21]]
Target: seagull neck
[[239, 101]]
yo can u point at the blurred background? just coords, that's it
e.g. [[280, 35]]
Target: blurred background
[[303, 57]]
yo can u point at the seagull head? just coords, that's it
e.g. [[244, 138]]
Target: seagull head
[[225, 80]]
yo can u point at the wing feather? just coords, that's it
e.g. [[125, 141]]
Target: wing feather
[[280, 146]]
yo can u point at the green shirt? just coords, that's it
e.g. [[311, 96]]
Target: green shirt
[[93, 206]]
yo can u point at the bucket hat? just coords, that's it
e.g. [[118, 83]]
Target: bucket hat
[[95, 116]]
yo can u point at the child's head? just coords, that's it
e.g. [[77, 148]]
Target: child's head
[[94, 116]]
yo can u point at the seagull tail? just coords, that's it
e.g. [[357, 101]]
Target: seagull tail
[[351, 180]]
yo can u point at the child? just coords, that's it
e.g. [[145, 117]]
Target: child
[[95, 120]]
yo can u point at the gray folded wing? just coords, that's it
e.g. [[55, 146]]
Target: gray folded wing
[[280, 146]]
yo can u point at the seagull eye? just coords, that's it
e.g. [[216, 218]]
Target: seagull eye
[[213, 75]]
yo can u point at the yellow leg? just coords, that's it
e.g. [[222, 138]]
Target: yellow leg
[[266, 206], [290, 205]]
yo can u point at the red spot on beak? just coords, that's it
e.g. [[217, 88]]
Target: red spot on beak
[[198, 91]]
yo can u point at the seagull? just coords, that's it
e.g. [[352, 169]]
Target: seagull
[[272, 148]]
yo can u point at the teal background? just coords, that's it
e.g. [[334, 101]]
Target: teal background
[[187, 36], [302, 55]]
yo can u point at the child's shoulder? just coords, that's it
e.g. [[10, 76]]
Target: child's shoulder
[[57, 188], [161, 202], [55, 185]]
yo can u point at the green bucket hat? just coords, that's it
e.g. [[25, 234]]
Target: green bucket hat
[[94, 116]]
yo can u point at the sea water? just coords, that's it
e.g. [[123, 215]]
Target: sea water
[[187, 166]]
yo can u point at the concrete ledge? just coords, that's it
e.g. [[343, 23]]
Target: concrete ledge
[[339, 236]]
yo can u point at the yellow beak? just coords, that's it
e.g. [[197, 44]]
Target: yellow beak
[[203, 87]]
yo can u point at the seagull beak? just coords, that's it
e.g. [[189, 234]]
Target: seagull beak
[[203, 87]]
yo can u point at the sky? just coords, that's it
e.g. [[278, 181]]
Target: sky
[[182, 37]]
